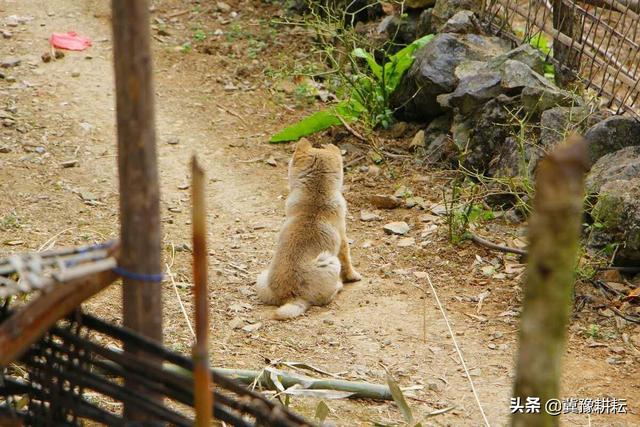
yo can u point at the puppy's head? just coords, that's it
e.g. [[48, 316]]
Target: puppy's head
[[311, 165]]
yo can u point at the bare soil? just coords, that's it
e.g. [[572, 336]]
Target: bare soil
[[219, 100]]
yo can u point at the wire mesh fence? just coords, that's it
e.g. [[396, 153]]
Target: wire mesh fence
[[594, 41]]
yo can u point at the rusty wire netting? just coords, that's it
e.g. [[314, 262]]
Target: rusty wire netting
[[597, 41]]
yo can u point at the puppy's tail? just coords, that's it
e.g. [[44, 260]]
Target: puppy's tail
[[293, 308], [324, 276]]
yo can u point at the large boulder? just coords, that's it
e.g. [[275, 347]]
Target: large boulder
[[446, 9], [536, 99], [617, 215], [433, 72], [473, 91], [612, 134], [488, 129], [622, 165]]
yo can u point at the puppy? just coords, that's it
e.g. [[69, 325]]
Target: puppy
[[312, 257]]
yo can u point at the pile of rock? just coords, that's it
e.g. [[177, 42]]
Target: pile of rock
[[490, 107]]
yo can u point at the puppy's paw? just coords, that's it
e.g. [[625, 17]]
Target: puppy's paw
[[351, 276]]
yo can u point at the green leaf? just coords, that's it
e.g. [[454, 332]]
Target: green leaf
[[315, 123], [376, 69], [349, 110], [398, 397], [322, 411]]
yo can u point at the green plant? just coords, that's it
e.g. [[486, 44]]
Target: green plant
[[10, 222], [463, 210], [199, 35], [368, 94], [593, 331]]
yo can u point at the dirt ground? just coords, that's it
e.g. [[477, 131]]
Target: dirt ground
[[217, 99]]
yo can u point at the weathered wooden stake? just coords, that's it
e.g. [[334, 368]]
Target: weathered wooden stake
[[203, 392], [566, 22], [137, 167], [554, 234]]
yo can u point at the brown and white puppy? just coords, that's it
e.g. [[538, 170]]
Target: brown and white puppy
[[312, 257]]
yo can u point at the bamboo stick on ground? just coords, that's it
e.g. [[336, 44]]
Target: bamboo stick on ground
[[203, 391], [554, 233]]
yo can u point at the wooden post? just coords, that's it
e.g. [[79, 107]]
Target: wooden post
[[554, 234], [137, 167], [203, 392], [566, 22]]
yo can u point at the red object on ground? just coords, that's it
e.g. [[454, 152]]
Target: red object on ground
[[69, 41]]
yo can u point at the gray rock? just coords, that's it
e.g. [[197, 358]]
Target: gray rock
[[432, 73], [367, 216], [446, 9], [438, 145], [540, 98], [382, 201], [611, 135], [618, 211], [490, 127], [419, 4], [423, 25], [556, 123], [463, 22], [473, 91], [399, 228], [525, 54], [516, 75], [402, 30], [10, 62], [623, 164]]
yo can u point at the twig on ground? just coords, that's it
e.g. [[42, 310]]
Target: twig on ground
[[175, 288], [455, 343], [228, 111], [354, 161], [624, 316], [483, 242], [52, 240], [352, 130]]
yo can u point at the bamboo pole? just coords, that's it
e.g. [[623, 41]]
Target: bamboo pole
[[554, 233], [203, 385], [137, 167]]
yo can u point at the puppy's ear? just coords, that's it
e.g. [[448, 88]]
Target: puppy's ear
[[303, 146]]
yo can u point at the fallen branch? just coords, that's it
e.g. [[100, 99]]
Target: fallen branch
[[482, 242]]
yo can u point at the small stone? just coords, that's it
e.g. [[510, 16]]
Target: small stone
[[46, 57], [223, 7], [183, 187], [10, 62], [420, 274], [252, 327], [75, 74], [88, 197], [5, 149], [492, 346], [173, 141], [271, 162], [418, 140], [367, 244], [328, 321], [433, 386], [40, 150], [497, 335], [399, 227], [367, 216], [236, 323], [385, 202], [69, 164], [6, 34], [406, 242], [58, 54]]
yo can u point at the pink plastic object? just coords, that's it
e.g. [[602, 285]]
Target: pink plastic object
[[69, 41]]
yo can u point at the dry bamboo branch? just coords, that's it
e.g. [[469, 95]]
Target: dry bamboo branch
[[26, 326], [203, 387], [554, 234]]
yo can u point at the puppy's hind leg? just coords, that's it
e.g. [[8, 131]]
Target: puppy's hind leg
[[323, 279], [263, 290]]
